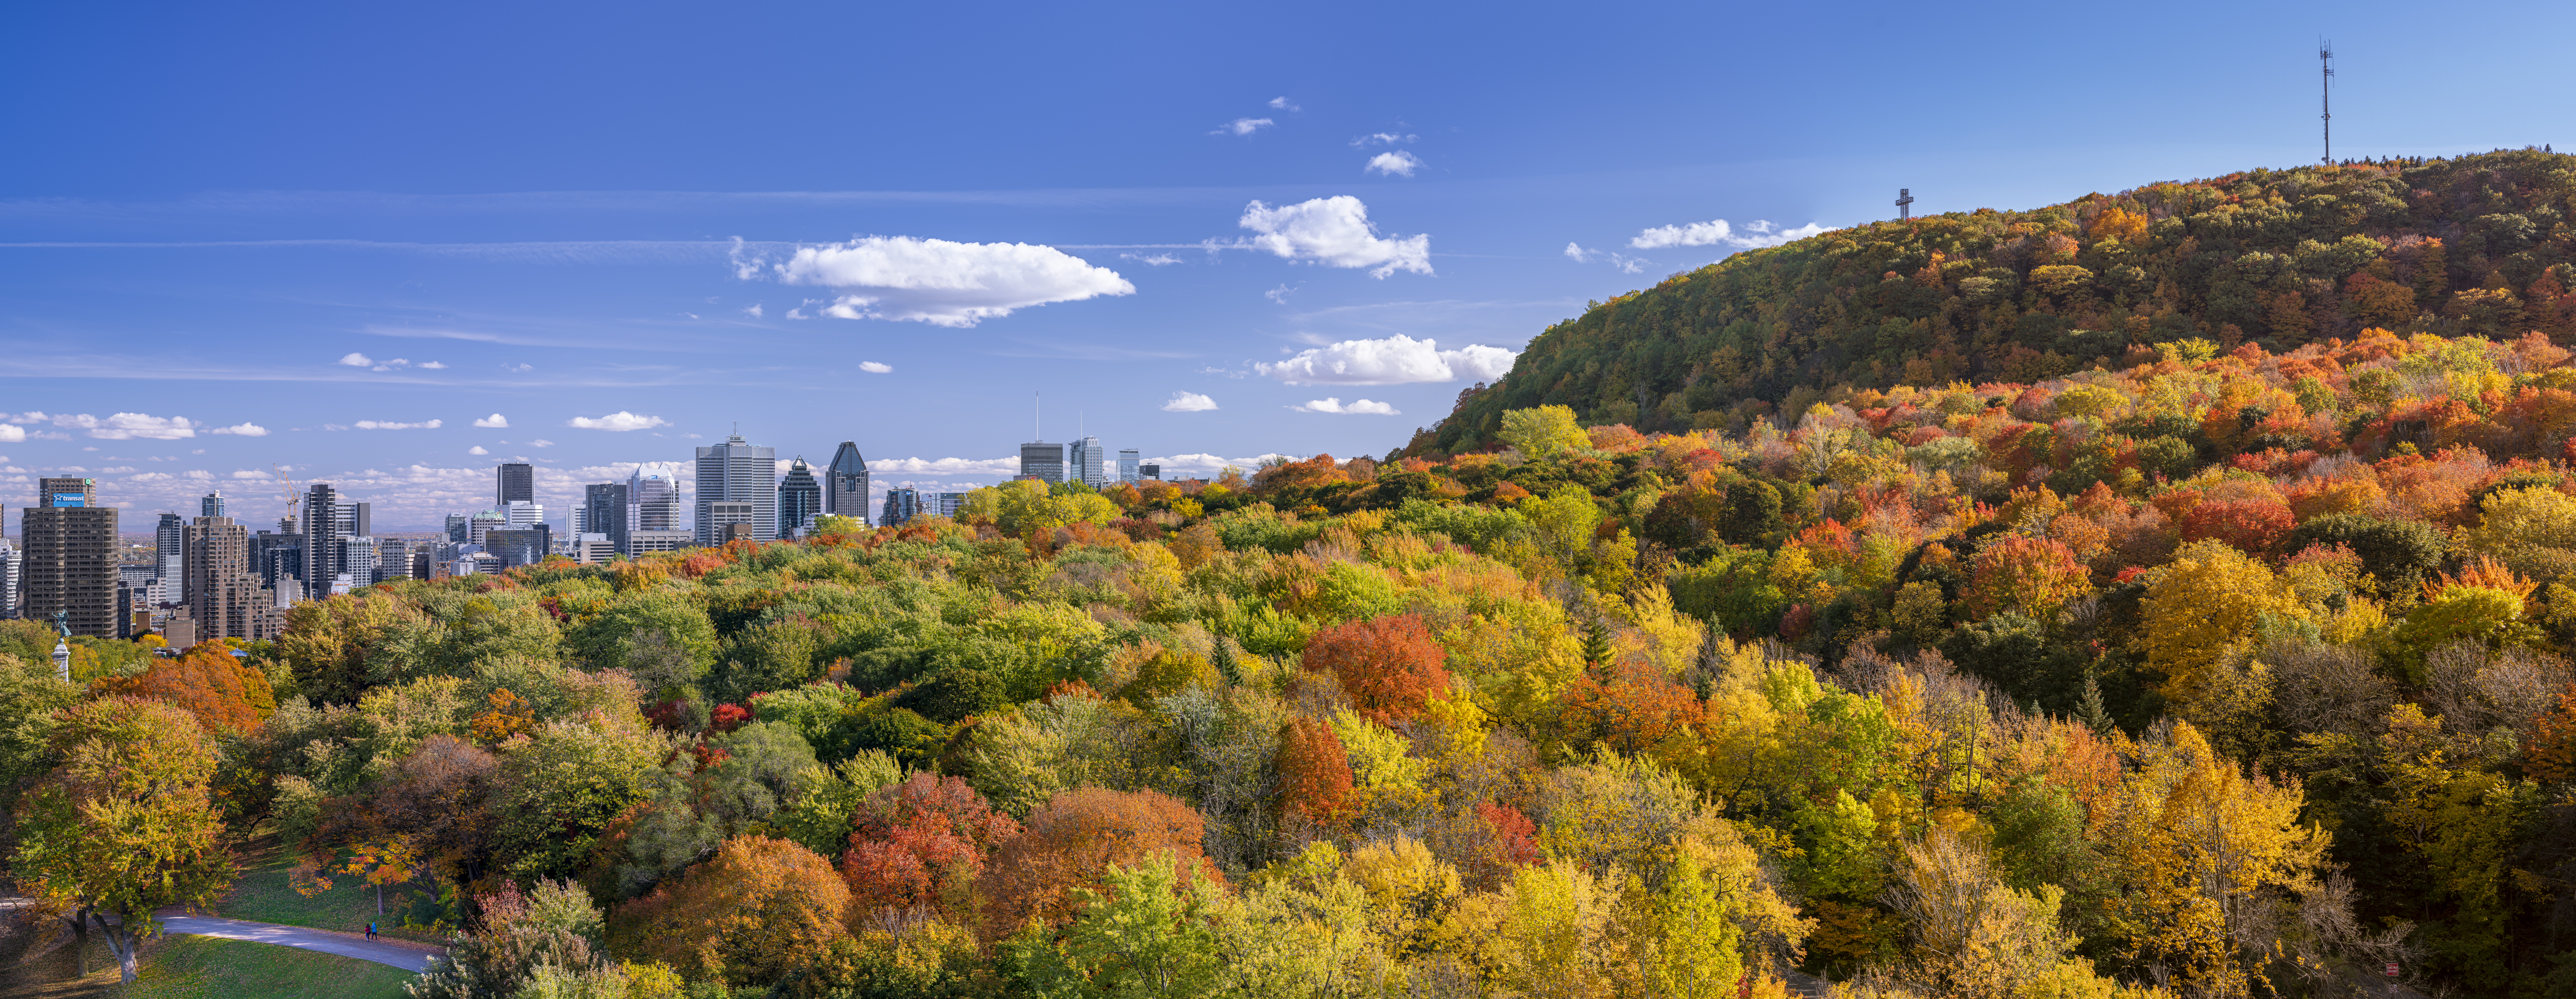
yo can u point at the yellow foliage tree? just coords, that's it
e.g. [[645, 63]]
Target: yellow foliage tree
[[1542, 432], [2205, 607]]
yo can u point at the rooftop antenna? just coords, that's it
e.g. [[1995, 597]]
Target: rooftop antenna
[[2325, 95], [1904, 204], [1037, 405]]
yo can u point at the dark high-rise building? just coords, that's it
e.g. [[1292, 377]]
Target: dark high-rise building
[[800, 498], [1042, 461], [901, 505], [513, 481], [515, 548], [322, 533], [211, 504], [603, 511], [458, 528], [1149, 471], [69, 560], [278, 559], [845, 484], [736, 472]]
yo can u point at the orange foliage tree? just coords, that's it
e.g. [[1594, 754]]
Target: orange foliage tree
[[1075, 837], [1630, 707], [1314, 773], [1389, 666], [208, 682], [2253, 526], [2027, 574], [919, 843], [755, 912]]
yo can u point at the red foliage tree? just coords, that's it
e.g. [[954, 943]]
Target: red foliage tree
[[919, 843], [208, 682], [1070, 841], [2019, 572], [1629, 706], [1389, 666], [2254, 526], [1314, 773]]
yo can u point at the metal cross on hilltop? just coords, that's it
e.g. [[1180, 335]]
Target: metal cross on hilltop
[[1904, 204]]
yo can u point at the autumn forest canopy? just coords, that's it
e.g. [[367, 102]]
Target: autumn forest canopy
[[2169, 593]]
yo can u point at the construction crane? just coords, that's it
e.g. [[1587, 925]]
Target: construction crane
[[287, 482]]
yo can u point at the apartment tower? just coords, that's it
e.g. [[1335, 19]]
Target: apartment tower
[[69, 561]]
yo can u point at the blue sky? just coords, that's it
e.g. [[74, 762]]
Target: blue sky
[[616, 226]]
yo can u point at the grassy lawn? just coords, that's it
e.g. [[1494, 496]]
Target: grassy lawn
[[186, 967], [263, 894], [193, 966]]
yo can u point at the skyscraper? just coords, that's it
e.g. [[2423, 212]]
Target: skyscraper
[[604, 511], [223, 593], [1042, 461], [523, 514], [800, 499], [70, 559], [165, 561], [1089, 465], [901, 505], [1127, 461], [845, 486], [322, 534], [736, 472], [653, 497], [211, 504], [9, 570], [513, 482]]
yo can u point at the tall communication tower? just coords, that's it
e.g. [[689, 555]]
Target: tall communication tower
[[2325, 95]]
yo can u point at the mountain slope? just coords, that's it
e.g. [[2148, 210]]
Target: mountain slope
[[2475, 244]]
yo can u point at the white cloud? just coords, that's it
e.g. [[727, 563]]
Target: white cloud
[[1279, 294], [150, 477], [11, 433], [1151, 260], [476, 449], [356, 360], [941, 282], [249, 474], [1576, 251], [620, 420], [495, 421], [947, 466], [1396, 360], [116, 470], [1358, 407], [1717, 231], [31, 416], [130, 426], [1281, 104], [524, 368], [541, 442], [798, 313], [1334, 231], [1243, 126], [198, 474], [1397, 163], [240, 430], [753, 312], [383, 425], [1189, 402], [433, 365], [875, 368], [335, 426], [1382, 138]]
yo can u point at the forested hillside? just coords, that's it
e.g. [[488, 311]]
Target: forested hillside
[[2224, 672], [2280, 258]]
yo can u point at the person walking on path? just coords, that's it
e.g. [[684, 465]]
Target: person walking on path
[[371, 931]]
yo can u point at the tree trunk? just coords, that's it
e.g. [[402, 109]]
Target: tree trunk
[[80, 941], [380, 900], [121, 941]]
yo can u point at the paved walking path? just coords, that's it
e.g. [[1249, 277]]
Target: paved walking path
[[401, 954]]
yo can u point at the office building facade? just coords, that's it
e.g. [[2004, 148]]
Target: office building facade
[[1087, 463], [1128, 459], [845, 485], [225, 598], [513, 482], [517, 547], [800, 499], [943, 504], [604, 512], [902, 503], [323, 529], [1149, 472], [69, 560], [211, 505], [728, 521], [10, 562], [653, 498], [1042, 461], [165, 555], [737, 472]]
